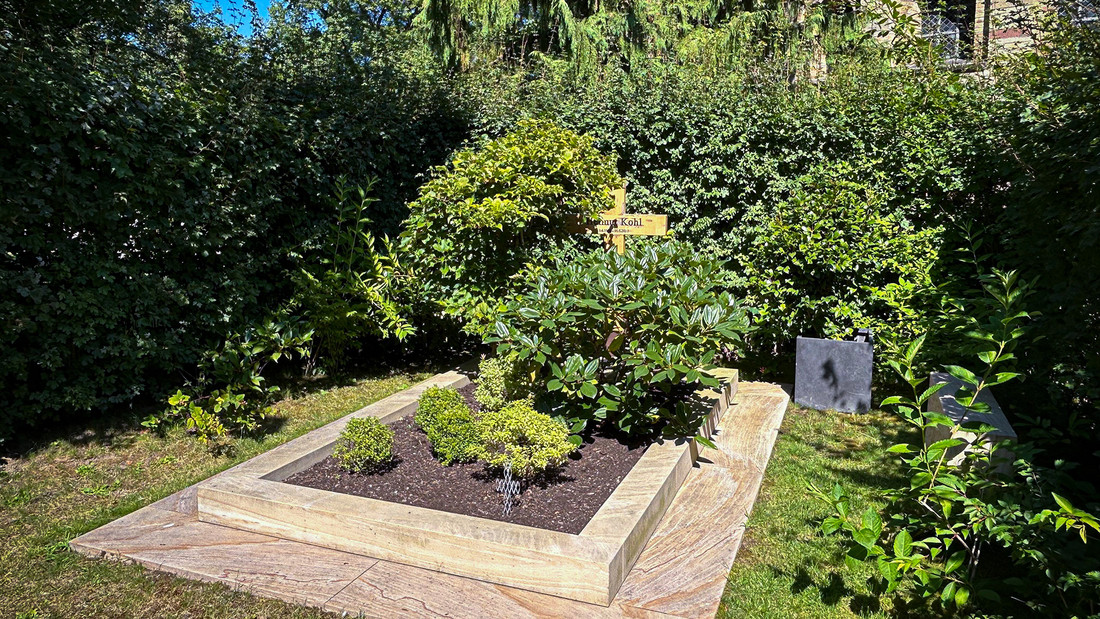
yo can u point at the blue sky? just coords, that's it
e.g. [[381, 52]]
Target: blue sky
[[228, 5]]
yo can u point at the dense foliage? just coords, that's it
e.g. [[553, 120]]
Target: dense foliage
[[454, 436], [958, 512], [434, 402], [166, 186], [162, 177], [446, 419], [624, 339], [498, 382], [348, 292], [715, 32], [838, 254], [732, 156], [519, 437], [484, 216], [1051, 228], [365, 445]]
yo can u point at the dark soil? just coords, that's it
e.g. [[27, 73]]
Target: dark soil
[[563, 500]]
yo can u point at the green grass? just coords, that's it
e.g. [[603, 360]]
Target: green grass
[[74, 484], [785, 567], [88, 478]]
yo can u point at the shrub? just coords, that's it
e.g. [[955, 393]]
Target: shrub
[[838, 255], [434, 402], [454, 436], [481, 219], [623, 338], [347, 294], [497, 382], [945, 519], [519, 435], [365, 444], [230, 392], [155, 201]]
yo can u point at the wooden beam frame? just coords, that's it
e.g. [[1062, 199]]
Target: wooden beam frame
[[589, 566]]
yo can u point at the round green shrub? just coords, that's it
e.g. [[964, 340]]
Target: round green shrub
[[518, 434], [434, 401], [454, 436], [364, 445], [494, 209], [496, 381]]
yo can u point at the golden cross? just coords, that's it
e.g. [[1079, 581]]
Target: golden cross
[[616, 224]]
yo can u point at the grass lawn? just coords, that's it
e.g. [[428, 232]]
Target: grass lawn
[[77, 483], [81, 481], [785, 567]]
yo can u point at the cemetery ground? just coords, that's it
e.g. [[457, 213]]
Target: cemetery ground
[[88, 477]]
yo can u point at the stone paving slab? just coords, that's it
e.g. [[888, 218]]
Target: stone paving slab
[[681, 573]]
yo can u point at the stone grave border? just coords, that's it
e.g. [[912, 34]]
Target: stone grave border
[[588, 567]]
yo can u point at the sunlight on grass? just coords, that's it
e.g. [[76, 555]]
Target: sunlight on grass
[[75, 484], [72, 485], [785, 567]]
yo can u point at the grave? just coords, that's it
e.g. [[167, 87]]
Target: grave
[[681, 571], [588, 567], [661, 544], [943, 401]]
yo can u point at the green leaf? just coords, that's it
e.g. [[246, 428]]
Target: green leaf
[[1063, 502], [947, 596], [955, 561], [831, 525], [865, 538], [903, 544], [872, 521], [962, 596], [946, 444], [963, 374]]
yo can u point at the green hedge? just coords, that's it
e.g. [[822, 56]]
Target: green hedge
[[727, 156], [162, 175]]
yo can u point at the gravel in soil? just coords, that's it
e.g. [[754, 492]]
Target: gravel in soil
[[564, 500]]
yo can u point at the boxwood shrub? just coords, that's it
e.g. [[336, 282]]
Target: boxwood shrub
[[366, 444], [528, 440]]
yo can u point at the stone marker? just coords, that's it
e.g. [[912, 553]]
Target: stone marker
[[944, 402], [834, 374]]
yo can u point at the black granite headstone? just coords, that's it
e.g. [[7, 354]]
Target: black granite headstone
[[834, 374]]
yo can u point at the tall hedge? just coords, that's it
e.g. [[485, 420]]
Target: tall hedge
[[161, 175], [728, 155]]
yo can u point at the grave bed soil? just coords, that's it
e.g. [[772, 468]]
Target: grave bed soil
[[563, 500]]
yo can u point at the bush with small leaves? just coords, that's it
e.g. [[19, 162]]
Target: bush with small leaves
[[518, 434], [365, 445], [496, 382], [436, 400], [454, 436]]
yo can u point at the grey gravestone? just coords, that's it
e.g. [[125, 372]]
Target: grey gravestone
[[944, 402], [834, 374]]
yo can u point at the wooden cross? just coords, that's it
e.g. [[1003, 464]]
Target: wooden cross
[[616, 224]]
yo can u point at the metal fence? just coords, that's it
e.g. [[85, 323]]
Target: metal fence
[[942, 33], [1080, 12]]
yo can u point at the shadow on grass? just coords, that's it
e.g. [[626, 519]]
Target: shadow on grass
[[120, 427], [832, 590]]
